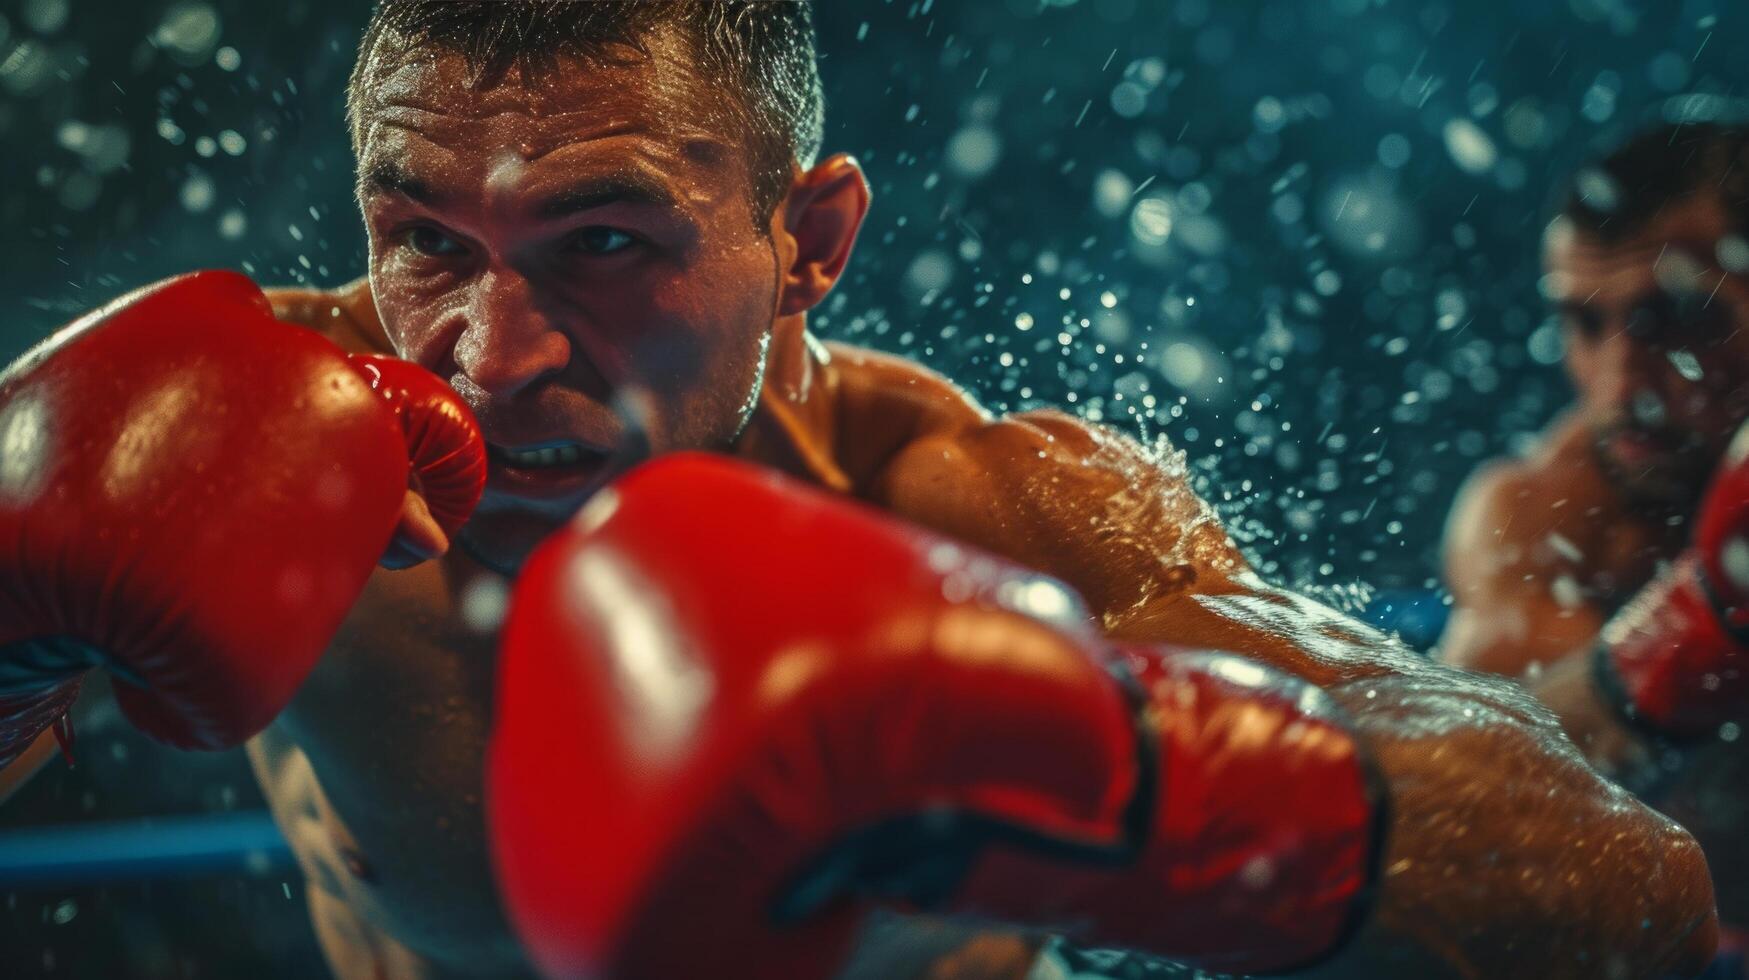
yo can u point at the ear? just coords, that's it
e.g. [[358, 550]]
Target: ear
[[820, 216]]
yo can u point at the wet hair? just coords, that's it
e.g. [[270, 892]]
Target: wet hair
[[758, 52], [1622, 194]]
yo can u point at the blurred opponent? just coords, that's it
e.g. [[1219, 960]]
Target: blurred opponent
[[1609, 514]]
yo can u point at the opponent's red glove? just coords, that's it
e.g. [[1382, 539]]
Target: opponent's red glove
[[193, 494], [1675, 658], [733, 712]]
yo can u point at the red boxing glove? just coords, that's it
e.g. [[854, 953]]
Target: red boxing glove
[[1674, 659], [193, 494], [443, 442], [733, 712]]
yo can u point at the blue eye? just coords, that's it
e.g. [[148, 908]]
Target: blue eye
[[599, 240]]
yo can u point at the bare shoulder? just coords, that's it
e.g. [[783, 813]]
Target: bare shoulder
[[346, 315], [1537, 511], [872, 384], [1531, 550], [1114, 518], [882, 403]]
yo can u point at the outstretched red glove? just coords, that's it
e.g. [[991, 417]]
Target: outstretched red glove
[[734, 712], [1676, 658], [193, 494]]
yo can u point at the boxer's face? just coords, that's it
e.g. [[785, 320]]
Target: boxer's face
[[559, 249], [1655, 346]]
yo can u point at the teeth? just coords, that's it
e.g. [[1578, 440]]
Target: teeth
[[551, 456]]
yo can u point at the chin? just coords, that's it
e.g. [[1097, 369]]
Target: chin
[[1665, 490], [502, 539], [1659, 497]]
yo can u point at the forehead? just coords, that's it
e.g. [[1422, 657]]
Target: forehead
[[1681, 241], [432, 97]]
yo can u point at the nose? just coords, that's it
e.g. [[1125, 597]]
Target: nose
[[509, 342], [1637, 378]]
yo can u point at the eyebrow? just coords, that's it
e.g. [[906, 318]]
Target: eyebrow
[[625, 188], [389, 177]]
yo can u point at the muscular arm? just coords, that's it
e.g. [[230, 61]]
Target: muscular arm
[[1517, 609], [1516, 601], [1506, 854], [1509, 619]]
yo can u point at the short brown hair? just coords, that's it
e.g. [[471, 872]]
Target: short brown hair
[[1620, 195], [761, 52]]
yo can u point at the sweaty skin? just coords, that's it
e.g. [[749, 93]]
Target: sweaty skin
[[578, 252], [1507, 855], [1541, 550], [1539, 554]]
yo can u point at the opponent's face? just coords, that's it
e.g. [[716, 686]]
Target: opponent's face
[[558, 250], [1655, 346]]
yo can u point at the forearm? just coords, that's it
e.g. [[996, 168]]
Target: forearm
[[1501, 838], [1280, 628], [1570, 688], [1508, 854], [1699, 784]]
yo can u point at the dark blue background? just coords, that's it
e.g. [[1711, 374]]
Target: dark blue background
[[1327, 299]]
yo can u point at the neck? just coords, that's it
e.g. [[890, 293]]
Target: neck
[[792, 427], [794, 364]]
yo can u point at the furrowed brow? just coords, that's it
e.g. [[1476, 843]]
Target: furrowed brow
[[389, 177], [589, 194]]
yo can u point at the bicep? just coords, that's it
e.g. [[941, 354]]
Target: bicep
[[1115, 520]]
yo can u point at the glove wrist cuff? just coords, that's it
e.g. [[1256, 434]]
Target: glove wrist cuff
[[26, 715], [1669, 664], [40, 664]]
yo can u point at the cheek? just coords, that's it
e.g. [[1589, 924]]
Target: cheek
[[723, 319], [1581, 363], [722, 309], [413, 318], [1733, 354], [751, 284]]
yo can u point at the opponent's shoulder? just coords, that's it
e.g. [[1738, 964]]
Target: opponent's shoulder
[[1553, 489], [1531, 529], [1487, 504], [347, 315]]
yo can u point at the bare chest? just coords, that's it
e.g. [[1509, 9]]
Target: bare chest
[[1594, 552], [376, 774]]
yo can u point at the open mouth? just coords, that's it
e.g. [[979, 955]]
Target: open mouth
[[545, 457], [1643, 443], [545, 469]]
